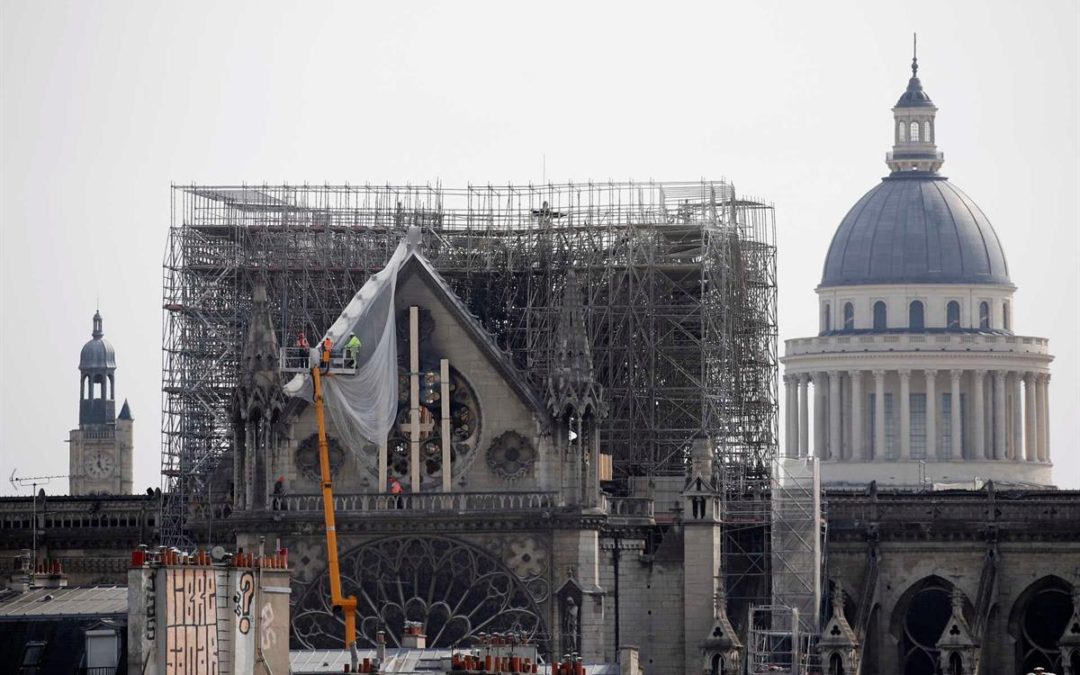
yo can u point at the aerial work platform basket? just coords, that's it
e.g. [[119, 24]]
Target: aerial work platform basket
[[302, 359]]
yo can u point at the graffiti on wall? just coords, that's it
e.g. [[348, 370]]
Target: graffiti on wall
[[267, 637], [242, 599], [191, 622], [150, 596]]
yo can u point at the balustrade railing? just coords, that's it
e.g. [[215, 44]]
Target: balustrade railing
[[463, 502], [939, 341]]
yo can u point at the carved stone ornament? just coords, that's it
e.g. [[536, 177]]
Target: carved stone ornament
[[307, 457], [511, 455]]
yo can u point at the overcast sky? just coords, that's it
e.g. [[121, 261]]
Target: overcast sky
[[104, 104]]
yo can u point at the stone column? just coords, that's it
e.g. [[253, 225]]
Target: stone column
[[804, 415], [956, 439], [905, 414], [835, 444], [1044, 417], [820, 423], [858, 448], [978, 406], [1017, 452], [879, 415], [791, 419], [931, 414], [999, 414], [1030, 432]]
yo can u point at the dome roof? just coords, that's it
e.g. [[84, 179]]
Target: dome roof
[[915, 228], [914, 96], [98, 353]]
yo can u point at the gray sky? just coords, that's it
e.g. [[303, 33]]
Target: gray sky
[[105, 103]]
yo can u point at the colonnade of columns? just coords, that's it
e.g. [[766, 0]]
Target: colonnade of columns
[[1005, 416]]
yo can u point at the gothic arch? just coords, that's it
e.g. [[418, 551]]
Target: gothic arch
[[1037, 620], [917, 621], [453, 588]]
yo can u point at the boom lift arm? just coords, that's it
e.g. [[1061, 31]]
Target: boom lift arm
[[347, 605]]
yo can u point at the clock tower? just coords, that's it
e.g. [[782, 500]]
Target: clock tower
[[101, 448]]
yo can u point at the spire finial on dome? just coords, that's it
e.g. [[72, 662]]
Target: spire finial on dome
[[97, 332], [914, 54]]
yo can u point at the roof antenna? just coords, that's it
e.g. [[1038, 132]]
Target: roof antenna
[[914, 54]]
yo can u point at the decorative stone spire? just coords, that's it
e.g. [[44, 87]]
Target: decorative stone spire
[[97, 333], [571, 382], [838, 640], [914, 130], [957, 640], [260, 377]]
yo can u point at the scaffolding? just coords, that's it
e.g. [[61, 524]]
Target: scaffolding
[[680, 288]]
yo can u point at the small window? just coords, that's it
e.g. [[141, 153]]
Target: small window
[[916, 317], [880, 317], [826, 319], [1005, 315], [849, 316], [914, 132], [926, 132], [952, 315], [902, 128], [984, 315], [33, 655]]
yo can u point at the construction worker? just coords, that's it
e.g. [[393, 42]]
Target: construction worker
[[302, 342], [396, 489], [352, 350]]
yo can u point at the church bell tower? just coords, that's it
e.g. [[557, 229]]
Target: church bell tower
[[101, 448]]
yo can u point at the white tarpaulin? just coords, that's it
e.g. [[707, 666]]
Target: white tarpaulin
[[363, 405]]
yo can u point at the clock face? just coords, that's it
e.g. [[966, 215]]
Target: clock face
[[99, 465]]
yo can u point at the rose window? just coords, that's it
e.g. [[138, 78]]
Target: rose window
[[451, 588], [464, 427]]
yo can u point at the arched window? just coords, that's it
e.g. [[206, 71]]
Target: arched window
[[880, 317], [902, 130], [836, 665], [1005, 315], [956, 664], [916, 318], [920, 617], [826, 319], [1038, 618], [984, 315], [926, 132], [952, 315], [849, 316], [914, 132]]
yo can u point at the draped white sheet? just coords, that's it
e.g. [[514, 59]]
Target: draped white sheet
[[363, 406]]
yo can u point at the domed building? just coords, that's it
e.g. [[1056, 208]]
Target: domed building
[[918, 374]]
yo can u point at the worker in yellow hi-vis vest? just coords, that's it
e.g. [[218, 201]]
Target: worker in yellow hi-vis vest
[[352, 350]]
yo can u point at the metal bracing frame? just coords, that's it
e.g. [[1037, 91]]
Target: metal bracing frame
[[679, 281]]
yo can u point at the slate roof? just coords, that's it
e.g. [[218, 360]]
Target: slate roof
[[51, 603], [915, 228]]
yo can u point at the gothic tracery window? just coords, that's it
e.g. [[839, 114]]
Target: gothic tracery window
[[451, 588], [920, 618], [1037, 623]]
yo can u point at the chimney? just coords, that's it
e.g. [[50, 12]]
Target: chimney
[[628, 661], [414, 637], [380, 647], [50, 574]]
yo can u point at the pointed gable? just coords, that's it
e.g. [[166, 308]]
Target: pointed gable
[[417, 268]]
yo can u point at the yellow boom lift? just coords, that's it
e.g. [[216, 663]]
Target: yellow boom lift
[[347, 605]]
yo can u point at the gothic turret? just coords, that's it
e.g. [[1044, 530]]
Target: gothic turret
[[257, 404], [914, 132], [575, 398]]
